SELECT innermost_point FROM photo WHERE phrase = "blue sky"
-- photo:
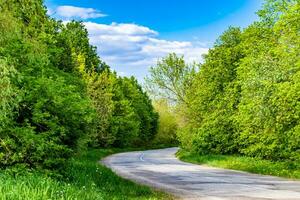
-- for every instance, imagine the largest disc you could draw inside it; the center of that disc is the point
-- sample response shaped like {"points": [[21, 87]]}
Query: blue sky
{"points": [[132, 34]]}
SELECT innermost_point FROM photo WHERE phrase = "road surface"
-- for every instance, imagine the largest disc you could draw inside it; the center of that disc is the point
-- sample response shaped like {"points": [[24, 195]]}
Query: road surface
{"points": [[162, 170]]}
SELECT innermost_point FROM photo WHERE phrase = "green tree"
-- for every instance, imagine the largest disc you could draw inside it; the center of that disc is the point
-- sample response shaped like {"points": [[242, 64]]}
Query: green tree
{"points": [[167, 123], [134, 121], [245, 97], [142, 106], [44, 122], [170, 78], [268, 112], [100, 89], [213, 97]]}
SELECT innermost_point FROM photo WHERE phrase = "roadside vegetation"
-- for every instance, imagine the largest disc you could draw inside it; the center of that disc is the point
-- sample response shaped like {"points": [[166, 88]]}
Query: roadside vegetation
{"points": [[242, 103], [83, 178], [286, 169]]}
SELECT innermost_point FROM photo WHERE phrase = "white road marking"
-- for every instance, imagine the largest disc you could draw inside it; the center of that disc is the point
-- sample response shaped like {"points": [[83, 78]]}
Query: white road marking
{"points": [[142, 157]]}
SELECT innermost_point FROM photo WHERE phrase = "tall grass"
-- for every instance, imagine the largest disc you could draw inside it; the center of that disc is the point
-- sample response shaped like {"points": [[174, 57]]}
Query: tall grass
{"points": [[84, 179]]}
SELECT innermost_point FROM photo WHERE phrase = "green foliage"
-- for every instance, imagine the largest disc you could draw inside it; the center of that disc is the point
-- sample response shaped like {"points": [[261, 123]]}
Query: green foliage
{"points": [[124, 124], [143, 108], [134, 120], [212, 98], [125, 115], [269, 109], [52, 112], [57, 96], [170, 78], [73, 52], [8, 94], [245, 97], [100, 89], [167, 123], [53, 116]]}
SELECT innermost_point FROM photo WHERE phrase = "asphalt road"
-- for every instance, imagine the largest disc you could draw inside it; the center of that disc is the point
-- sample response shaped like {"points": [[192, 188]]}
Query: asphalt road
{"points": [[162, 170]]}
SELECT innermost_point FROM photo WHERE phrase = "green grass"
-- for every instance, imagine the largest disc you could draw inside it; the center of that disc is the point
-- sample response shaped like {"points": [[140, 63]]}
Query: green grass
{"points": [[254, 165], [85, 179]]}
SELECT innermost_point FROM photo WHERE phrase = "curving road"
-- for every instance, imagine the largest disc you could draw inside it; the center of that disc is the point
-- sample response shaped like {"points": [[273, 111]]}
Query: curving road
{"points": [[162, 170]]}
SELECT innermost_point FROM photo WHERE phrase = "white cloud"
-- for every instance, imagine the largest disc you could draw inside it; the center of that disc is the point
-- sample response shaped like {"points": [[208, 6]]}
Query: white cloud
{"points": [[118, 29], [72, 12], [133, 48]]}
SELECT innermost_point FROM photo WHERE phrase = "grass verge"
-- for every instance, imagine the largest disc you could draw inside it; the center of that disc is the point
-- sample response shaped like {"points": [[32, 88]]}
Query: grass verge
{"points": [[254, 165], [85, 179]]}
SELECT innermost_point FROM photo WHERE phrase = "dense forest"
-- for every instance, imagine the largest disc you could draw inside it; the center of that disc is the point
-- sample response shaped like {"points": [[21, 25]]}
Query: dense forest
{"points": [[245, 97], [57, 96]]}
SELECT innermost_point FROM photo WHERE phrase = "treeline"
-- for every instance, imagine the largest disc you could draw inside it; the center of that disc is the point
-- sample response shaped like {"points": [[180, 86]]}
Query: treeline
{"points": [[57, 96], [245, 97]]}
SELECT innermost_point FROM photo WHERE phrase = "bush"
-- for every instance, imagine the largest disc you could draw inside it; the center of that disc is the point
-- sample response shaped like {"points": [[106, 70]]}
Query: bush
{"points": [[53, 116]]}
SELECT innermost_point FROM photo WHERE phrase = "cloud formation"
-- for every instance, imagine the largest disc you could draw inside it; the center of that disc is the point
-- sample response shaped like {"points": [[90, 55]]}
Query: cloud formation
{"points": [[72, 12], [132, 48]]}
